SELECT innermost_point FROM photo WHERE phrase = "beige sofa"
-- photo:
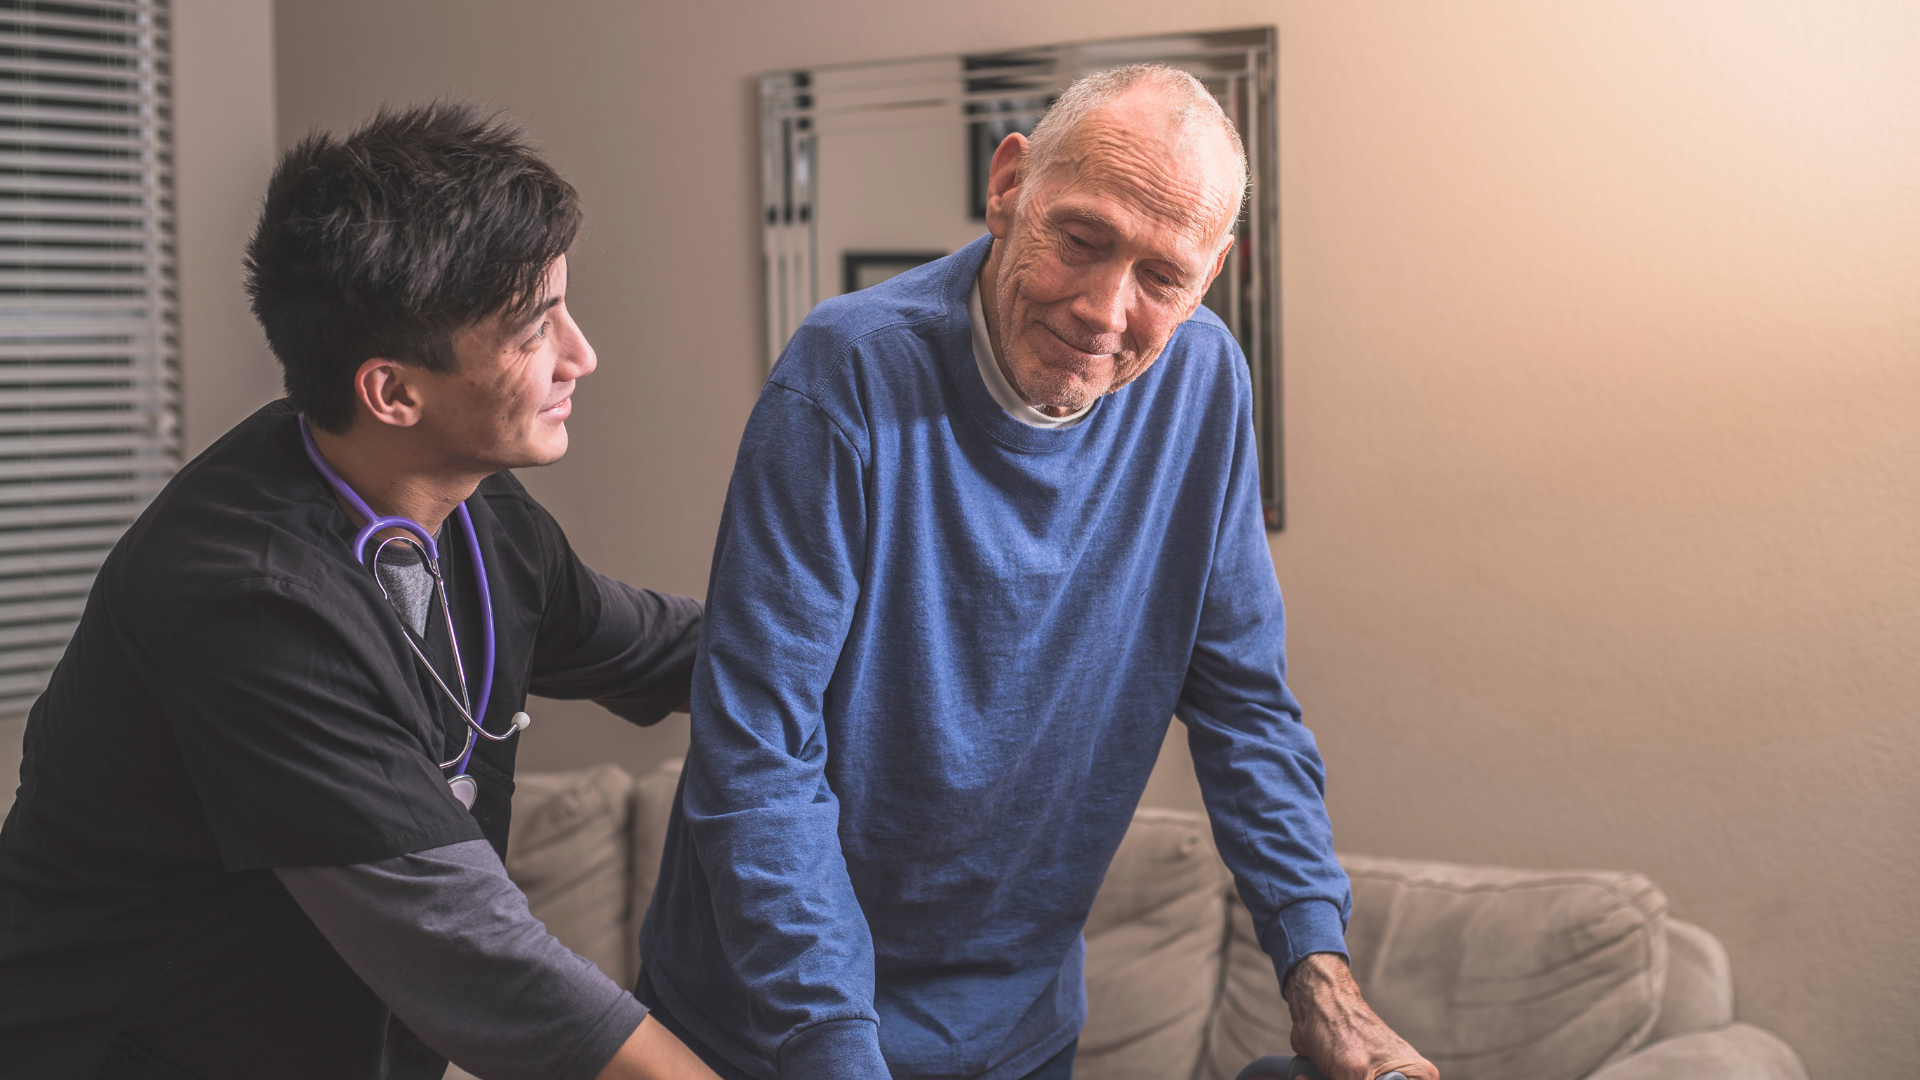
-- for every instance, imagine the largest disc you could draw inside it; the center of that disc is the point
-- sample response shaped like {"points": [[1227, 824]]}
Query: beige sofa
{"points": [[1495, 974]]}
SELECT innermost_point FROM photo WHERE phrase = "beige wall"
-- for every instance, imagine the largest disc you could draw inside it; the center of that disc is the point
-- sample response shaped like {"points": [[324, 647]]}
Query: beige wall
{"points": [[1603, 374], [892, 189], [223, 149]]}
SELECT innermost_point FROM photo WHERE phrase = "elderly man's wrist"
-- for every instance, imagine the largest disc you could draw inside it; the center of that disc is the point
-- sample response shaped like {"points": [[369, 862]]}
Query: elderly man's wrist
{"points": [[1300, 930], [835, 1050], [1313, 971]]}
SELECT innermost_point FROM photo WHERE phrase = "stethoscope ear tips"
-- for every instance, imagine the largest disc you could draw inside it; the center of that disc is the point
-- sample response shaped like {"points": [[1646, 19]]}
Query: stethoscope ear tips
{"points": [[522, 720]]}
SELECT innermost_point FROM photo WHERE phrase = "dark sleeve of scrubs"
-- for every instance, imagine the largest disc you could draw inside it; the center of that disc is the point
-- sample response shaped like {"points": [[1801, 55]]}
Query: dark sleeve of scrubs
{"points": [[447, 942], [280, 698], [631, 650]]}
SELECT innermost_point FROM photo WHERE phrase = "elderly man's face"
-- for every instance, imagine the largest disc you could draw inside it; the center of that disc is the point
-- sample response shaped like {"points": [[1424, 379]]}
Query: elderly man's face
{"points": [[1112, 250]]}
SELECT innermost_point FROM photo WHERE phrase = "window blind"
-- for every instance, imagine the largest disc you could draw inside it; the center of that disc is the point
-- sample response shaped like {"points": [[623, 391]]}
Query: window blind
{"points": [[89, 371]]}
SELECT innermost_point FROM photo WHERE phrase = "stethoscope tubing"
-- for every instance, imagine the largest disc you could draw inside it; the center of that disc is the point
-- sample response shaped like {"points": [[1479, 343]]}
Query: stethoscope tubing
{"points": [[378, 524], [460, 701]]}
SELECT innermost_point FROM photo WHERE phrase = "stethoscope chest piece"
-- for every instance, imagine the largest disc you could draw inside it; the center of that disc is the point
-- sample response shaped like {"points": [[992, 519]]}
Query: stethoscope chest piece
{"points": [[464, 789]]}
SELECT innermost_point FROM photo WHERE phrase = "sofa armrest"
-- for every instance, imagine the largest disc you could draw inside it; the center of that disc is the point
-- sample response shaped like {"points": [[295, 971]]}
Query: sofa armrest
{"points": [[1734, 1052], [567, 850], [653, 796], [1699, 994]]}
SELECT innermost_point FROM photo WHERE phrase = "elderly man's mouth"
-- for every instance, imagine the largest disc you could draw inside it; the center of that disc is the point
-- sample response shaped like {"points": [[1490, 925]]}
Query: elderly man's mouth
{"points": [[1081, 354]]}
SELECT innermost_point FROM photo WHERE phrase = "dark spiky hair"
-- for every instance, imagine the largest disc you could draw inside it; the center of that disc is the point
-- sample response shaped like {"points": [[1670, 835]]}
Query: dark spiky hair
{"points": [[389, 241]]}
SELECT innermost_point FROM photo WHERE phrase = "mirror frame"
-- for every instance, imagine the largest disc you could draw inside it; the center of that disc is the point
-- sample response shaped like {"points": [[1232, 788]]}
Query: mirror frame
{"points": [[1014, 87]]}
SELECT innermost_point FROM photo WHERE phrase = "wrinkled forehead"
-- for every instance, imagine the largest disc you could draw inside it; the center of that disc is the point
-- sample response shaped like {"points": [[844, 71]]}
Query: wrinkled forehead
{"points": [[1182, 175]]}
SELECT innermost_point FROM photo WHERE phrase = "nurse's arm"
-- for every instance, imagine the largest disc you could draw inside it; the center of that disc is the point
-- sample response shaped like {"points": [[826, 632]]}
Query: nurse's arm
{"points": [[653, 1053], [631, 650], [445, 939]]}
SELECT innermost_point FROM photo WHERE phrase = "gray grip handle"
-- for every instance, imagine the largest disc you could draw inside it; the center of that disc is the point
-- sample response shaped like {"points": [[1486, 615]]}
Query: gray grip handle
{"points": [[1282, 1067]]}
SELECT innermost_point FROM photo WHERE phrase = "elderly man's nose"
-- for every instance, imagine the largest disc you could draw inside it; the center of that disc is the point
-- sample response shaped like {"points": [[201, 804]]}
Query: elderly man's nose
{"points": [[1102, 306]]}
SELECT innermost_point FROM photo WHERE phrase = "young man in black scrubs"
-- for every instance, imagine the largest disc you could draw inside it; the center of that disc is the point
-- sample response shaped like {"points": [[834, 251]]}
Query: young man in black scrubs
{"points": [[234, 851]]}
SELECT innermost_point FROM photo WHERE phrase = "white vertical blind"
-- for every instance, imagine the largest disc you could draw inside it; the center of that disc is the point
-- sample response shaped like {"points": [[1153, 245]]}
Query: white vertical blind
{"points": [[89, 371]]}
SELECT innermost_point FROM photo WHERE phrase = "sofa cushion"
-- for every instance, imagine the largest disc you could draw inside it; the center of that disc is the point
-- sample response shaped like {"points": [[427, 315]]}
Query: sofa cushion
{"points": [[652, 805], [1699, 993], [1251, 1020], [567, 849], [1153, 951], [1499, 974], [1734, 1052]]}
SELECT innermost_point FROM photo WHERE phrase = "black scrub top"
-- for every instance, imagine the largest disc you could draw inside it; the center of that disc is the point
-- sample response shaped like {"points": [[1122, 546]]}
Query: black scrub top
{"points": [[239, 696]]}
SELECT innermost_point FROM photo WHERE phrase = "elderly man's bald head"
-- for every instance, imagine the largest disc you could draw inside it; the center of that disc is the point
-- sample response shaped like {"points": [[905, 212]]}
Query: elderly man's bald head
{"points": [[1116, 124], [1109, 226]]}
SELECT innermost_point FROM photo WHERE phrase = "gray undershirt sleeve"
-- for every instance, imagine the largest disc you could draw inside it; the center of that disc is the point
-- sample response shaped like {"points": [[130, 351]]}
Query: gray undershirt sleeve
{"points": [[446, 940]]}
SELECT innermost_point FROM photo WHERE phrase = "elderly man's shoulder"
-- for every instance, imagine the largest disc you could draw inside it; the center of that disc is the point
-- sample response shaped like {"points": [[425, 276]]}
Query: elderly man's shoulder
{"points": [[1205, 336], [909, 310], [1203, 326]]}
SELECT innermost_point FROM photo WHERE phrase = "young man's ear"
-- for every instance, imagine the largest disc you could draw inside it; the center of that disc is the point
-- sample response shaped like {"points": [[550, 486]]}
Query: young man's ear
{"points": [[384, 388]]}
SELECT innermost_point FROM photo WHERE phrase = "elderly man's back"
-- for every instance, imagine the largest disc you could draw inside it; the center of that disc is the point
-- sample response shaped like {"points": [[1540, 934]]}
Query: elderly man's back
{"points": [[941, 653]]}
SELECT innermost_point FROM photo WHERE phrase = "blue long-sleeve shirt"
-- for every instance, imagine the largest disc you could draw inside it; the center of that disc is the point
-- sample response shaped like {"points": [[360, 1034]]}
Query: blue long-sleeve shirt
{"points": [[940, 654]]}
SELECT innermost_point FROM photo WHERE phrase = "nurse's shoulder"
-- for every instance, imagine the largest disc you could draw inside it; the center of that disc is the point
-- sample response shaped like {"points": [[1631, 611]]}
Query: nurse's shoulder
{"points": [[248, 510]]}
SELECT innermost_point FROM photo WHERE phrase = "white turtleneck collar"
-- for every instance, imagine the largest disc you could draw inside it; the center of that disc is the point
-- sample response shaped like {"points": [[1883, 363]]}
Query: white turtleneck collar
{"points": [[1003, 392]]}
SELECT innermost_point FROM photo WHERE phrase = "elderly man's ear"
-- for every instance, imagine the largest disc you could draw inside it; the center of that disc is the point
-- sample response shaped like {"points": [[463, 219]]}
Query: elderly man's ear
{"points": [[1004, 177], [1219, 263]]}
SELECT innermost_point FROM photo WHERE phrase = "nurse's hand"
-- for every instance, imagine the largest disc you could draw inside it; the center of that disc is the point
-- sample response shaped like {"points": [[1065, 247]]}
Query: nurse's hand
{"points": [[653, 1053]]}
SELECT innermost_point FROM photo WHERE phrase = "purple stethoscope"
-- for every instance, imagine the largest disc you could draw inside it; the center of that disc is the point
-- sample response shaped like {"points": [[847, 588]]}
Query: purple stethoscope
{"points": [[462, 785]]}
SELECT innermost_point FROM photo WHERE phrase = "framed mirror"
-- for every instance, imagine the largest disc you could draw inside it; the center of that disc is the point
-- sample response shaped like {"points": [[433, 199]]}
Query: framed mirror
{"points": [[871, 169]]}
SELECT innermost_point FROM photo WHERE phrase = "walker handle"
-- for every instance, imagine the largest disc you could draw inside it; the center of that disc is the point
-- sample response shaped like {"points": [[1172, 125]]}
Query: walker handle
{"points": [[1282, 1067]]}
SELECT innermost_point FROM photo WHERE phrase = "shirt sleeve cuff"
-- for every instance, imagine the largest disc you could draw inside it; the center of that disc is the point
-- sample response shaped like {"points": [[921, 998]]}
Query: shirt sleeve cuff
{"points": [[608, 1035], [1301, 929], [835, 1050]]}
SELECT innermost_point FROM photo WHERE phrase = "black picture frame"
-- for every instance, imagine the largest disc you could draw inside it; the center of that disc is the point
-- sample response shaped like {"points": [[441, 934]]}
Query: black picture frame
{"points": [[865, 269]]}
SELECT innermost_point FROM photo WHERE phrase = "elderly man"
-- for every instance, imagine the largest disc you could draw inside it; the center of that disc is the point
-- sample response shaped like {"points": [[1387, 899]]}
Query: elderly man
{"points": [[992, 523]]}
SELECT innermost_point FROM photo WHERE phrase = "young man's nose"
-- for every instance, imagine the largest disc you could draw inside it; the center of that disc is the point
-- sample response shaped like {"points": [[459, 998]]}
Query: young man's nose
{"points": [[577, 358]]}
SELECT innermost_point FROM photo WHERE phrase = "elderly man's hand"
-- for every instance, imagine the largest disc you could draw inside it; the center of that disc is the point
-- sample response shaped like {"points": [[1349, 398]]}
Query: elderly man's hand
{"points": [[1337, 1030]]}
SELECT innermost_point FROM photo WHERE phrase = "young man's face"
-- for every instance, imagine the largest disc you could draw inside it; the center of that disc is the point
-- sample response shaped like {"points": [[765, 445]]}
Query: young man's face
{"points": [[506, 407]]}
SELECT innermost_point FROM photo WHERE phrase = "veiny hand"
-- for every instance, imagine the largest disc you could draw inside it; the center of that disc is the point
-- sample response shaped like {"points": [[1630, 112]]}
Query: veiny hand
{"points": [[1338, 1031]]}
